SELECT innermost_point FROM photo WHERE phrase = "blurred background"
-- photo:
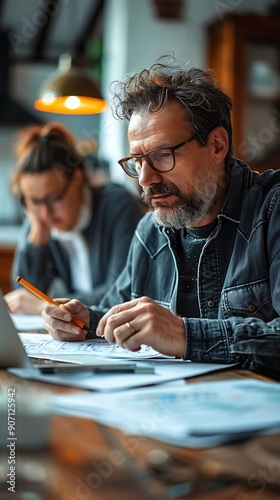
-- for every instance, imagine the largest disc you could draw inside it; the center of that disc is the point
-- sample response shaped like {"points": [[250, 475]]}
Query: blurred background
{"points": [[240, 39]]}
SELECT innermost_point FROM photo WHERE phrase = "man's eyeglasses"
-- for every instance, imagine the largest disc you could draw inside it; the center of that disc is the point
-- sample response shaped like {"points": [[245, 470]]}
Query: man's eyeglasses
{"points": [[160, 160], [52, 203]]}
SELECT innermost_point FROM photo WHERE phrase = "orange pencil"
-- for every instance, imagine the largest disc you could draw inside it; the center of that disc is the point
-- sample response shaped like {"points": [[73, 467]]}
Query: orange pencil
{"points": [[45, 297]]}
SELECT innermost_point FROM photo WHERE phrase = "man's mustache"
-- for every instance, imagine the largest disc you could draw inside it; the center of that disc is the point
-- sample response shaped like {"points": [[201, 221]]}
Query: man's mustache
{"points": [[160, 189]]}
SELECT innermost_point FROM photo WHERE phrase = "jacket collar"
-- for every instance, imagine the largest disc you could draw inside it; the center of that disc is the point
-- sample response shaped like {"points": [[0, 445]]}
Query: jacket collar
{"points": [[239, 177]]}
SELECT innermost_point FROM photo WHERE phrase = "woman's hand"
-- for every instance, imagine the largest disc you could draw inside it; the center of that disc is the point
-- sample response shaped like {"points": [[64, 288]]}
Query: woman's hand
{"points": [[39, 233], [22, 301]]}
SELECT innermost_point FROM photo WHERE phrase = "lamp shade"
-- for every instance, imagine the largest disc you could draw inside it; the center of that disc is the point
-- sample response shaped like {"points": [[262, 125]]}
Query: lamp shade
{"points": [[70, 91]]}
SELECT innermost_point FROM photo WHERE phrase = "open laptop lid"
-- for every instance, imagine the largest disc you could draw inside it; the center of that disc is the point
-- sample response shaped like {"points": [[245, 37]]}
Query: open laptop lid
{"points": [[12, 353]]}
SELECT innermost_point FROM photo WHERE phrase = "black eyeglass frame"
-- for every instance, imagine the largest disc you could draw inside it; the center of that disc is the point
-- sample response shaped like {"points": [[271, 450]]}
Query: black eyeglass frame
{"points": [[149, 161], [49, 200]]}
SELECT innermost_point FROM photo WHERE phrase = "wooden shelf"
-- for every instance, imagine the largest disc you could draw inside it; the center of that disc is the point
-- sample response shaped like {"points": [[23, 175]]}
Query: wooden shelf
{"points": [[234, 44], [6, 260]]}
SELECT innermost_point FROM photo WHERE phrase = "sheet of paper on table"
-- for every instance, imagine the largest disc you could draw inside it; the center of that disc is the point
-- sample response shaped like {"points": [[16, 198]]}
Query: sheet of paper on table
{"points": [[201, 414], [164, 371], [43, 345], [27, 322]]}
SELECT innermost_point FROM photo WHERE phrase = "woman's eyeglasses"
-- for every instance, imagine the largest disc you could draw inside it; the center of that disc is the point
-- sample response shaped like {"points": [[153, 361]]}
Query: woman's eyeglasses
{"points": [[52, 203]]}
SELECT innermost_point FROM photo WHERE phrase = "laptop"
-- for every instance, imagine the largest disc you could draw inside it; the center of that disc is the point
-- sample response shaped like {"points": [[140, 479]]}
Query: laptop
{"points": [[12, 353]]}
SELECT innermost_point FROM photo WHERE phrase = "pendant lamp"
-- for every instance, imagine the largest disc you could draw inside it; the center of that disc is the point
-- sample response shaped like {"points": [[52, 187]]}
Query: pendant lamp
{"points": [[70, 91]]}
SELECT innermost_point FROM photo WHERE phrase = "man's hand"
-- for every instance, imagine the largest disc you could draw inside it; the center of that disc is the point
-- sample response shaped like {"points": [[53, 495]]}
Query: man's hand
{"points": [[22, 301], [58, 320], [143, 321]]}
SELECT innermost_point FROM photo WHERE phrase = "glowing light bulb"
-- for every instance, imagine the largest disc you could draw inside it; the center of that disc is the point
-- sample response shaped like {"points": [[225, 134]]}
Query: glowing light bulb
{"points": [[48, 99], [72, 102]]}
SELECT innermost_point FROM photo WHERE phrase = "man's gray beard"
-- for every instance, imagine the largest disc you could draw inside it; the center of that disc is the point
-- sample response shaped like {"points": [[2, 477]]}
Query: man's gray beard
{"points": [[190, 210]]}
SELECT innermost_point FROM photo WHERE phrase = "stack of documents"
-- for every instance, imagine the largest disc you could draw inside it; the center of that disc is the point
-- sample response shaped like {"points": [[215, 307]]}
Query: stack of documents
{"points": [[196, 415], [150, 367]]}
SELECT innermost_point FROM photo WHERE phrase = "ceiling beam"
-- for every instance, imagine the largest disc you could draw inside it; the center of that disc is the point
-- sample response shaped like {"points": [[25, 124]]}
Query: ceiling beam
{"points": [[90, 27], [2, 2], [49, 13]]}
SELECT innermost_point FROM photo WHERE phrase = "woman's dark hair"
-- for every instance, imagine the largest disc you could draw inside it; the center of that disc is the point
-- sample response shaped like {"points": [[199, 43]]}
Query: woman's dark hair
{"points": [[206, 105], [43, 148]]}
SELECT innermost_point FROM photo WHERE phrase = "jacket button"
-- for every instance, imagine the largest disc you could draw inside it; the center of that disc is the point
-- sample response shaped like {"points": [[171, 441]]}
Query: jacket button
{"points": [[251, 308], [211, 303]]}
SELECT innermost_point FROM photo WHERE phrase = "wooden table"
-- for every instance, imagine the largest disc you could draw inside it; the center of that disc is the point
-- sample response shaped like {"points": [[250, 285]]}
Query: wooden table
{"points": [[84, 460]]}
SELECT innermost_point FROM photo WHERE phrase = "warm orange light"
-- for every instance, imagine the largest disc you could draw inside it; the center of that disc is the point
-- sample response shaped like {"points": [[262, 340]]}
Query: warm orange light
{"points": [[86, 106], [70, 91]]}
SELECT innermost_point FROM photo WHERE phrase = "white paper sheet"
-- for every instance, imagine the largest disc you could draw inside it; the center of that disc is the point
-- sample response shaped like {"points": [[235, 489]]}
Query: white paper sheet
{"points": [[193, 414], [27, 322], [42, 345], [164, 371]]}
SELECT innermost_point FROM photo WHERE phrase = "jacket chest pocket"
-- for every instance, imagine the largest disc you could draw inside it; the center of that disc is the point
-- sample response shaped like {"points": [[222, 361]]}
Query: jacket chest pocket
{"points": [[249, 299]]}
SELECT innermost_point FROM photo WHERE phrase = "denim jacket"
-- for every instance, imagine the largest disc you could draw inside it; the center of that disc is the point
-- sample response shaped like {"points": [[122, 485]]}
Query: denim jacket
{"points": [[238, 276]]}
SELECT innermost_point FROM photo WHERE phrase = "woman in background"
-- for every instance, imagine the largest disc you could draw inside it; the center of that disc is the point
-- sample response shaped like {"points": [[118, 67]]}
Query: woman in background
{"points": [[75, 238]]}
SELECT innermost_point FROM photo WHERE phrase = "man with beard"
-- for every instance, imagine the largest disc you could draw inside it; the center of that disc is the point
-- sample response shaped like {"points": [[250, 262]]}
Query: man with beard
{"points": [[202, 279]]}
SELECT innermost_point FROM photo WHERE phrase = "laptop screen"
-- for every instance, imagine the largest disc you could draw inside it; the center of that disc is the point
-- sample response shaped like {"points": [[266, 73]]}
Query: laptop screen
{"points": [[12, 353]]}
